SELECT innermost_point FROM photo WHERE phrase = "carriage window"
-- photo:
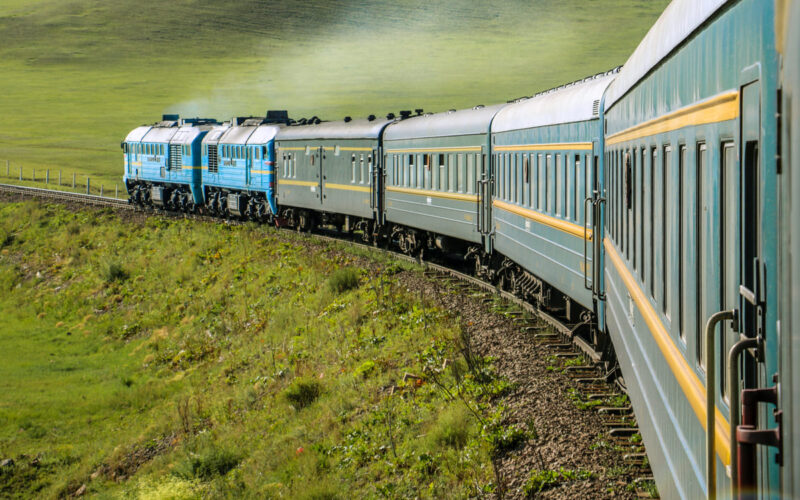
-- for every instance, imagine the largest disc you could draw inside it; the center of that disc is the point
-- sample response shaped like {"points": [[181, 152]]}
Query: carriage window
{"points": [[682, 211], [667, 239], [361, 170], [526, 173], [336, 150], [460, 173], [570, 186], [308, 150], [653, 175], [470, 174], [442, 173], [579, 193]]}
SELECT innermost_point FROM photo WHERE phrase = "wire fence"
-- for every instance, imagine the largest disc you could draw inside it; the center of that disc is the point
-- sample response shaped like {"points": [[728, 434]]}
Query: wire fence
{"points": [[15, 173]]}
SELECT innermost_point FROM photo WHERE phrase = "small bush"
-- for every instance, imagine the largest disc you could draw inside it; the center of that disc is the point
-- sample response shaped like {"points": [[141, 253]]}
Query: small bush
{"points": [[207, 464], [6, 239], [303, 392], [366, 369], [503, 438], [115, 272], [542, 479], [343, 279], [453, 427]]}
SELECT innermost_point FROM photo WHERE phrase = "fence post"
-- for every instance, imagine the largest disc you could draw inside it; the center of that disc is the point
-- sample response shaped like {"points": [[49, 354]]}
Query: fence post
{"points": [[59, 178], [8, 168], [47, 177], [73, 180], [101, 190], [20, 172], [116, 190], [33, 175], [87, 185]]}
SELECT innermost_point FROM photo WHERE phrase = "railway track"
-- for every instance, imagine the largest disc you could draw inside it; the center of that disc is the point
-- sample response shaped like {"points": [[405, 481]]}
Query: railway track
{"points": [[595, 382]]}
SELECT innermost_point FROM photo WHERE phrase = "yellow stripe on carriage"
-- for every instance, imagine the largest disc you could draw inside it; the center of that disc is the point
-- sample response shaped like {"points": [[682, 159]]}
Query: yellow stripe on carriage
{"points": [[347, 187], [434, 194], [297, 183], [453, 149], [547, 220], [720, 108], [562, 146], [191, 167], [262, 171], [684, 374]]}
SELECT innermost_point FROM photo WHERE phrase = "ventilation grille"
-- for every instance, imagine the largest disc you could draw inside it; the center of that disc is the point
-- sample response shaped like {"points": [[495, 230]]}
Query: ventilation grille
{"points": [[596, 107], [175, 158], [213, 165]]}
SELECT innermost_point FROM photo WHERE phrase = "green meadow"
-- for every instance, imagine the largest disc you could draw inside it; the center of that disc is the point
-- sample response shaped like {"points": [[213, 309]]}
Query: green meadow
{"points": [[75, 77], [233, 362]]}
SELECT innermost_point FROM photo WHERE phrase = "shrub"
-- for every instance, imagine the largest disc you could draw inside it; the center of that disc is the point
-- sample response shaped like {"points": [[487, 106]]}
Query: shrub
{"points": [[208, 463], [366, 369], [302, 392], [115, 272], [542, 479], [343, 279], [453, 427]]}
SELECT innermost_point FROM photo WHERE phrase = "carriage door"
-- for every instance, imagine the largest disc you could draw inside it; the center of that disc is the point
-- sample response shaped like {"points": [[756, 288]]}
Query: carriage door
{"points": [[592, 221], [376, 166], [483, 188], [317, 157]]}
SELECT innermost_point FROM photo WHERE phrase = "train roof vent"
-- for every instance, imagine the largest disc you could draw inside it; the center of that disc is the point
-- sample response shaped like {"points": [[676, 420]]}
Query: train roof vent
{"points": [[596, 107], [347, 119], [405, 114], [418, 111], [277, 116], [199, 121], [451, 111], [170, 118], [371, 118], [390, 116], [479, 106]]}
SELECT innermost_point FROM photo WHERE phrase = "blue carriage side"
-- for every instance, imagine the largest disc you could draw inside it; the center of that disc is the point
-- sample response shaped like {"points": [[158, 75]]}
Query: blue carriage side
{"points": [[437, 183], [544, 154], [162, 163], [691, 231]]}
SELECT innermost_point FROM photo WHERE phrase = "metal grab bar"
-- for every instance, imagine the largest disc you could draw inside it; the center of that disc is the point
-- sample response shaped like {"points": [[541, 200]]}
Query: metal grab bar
{"points": [[598, 248], [733, 392], [588, 201], [711, 394]]}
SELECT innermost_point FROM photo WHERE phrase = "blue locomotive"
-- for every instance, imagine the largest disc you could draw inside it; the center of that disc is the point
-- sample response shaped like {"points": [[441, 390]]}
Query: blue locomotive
{"points": [[651, 208], [162, 163]]}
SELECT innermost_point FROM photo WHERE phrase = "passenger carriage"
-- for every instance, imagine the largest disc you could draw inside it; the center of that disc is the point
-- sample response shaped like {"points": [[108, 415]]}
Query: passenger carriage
{"points": [[690, 178], [162, 162], [329, 173], [544, 155], [438, 182]]}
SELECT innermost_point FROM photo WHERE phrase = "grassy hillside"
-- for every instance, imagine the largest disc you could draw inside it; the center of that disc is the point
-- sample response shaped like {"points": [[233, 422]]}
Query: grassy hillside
{"points": [[77, 76], [232, 362]]}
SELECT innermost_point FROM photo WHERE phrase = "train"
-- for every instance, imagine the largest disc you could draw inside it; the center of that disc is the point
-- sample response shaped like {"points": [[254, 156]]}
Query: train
{"points": [[652, 208]]}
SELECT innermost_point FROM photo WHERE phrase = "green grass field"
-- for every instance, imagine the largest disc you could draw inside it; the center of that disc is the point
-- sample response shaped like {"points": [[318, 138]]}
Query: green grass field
{"points": [[75, 77], [234, 362]]}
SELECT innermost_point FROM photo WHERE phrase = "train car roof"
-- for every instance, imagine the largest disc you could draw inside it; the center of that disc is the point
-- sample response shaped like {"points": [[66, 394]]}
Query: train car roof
{"points": [[238, 134], [160, 134], [136, 134], [446, 124], [678, 21], [574, 103], [263, 134], [354, 129], [188, 133], [213, 136]]}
